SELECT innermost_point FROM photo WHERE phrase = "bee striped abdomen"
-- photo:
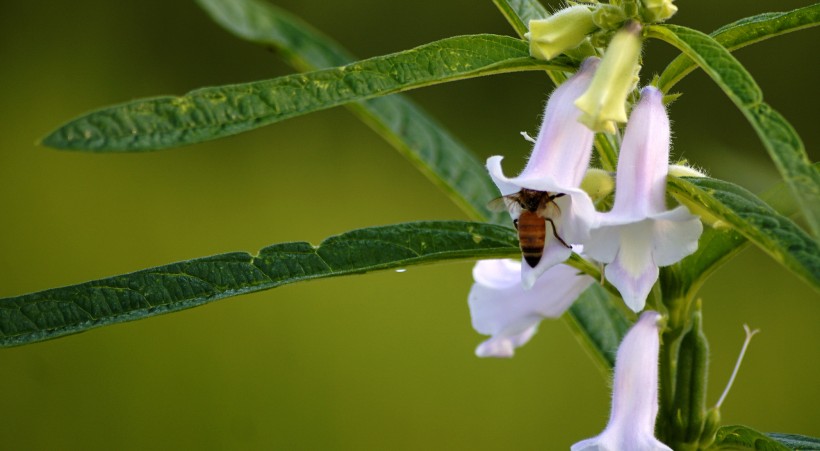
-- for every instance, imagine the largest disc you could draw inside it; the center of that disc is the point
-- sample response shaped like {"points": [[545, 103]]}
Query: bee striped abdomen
{"points": [[532, 232]]}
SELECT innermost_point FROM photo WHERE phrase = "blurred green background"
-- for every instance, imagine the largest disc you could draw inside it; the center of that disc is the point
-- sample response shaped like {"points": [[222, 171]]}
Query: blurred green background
{"points": [[380, 361]]}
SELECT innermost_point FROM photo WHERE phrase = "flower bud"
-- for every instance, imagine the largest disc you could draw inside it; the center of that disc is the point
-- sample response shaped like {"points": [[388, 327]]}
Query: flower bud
{"points": [[654, 11], [604, 103], [598, 184], [609, 17], [560, 32], [683, 170]]}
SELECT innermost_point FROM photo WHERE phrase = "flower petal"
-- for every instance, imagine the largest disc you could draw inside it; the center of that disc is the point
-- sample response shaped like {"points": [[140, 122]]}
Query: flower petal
{"points": [[554, 253], [675, 236], [510, 313], [497, 273], [564, 146], [639, 234], [504, 346], [633, 272], [634, 392], [644, 160]]}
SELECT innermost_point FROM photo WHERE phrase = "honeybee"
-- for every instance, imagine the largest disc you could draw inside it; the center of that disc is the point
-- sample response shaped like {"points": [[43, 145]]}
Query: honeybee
{"points": [[537, 209]]}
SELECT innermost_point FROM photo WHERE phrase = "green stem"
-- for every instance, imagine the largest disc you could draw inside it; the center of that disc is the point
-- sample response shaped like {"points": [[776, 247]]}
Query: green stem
{"points": [[678, 306]]}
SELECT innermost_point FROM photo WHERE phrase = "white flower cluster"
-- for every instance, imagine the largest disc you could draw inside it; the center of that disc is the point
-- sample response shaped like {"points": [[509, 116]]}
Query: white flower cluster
{"points": [[639, 234]]}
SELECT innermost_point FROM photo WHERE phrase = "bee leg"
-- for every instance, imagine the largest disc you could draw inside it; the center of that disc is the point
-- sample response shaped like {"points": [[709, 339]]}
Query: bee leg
{"points": [[515, 223], [555, 233]]}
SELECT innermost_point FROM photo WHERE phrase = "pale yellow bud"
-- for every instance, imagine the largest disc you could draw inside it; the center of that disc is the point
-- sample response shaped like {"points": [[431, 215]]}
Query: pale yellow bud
{"points": [[603, 105], [560, 32], [657, 10], [597, 183], [682, 170]]}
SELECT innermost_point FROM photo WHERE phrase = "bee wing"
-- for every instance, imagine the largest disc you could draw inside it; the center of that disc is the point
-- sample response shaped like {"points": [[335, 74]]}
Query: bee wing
{"points": [[505, 203]]}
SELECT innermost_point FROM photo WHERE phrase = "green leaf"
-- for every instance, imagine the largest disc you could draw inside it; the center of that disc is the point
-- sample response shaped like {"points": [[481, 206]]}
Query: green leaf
{"points": [[415, 134], [743, 438], [794, 441], [781, 141], [599, 324], [402, 123], [211, 113], [717, 246], [260, 22], [742, 33], [61, 311], [749, 216], [519, 13], [596, 321]]}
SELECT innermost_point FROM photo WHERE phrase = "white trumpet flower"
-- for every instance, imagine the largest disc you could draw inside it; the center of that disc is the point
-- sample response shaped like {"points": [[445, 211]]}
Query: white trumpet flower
{"points": [[634, 393], [556, 166], [640, 234]]}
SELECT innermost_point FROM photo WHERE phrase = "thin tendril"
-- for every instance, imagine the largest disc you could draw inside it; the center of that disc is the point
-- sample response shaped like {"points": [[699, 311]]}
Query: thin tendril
{"points": [[749, 334]]}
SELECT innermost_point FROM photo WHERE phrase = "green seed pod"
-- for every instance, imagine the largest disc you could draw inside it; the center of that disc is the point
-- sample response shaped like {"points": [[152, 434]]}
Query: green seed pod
{"points": [[690, 387]]}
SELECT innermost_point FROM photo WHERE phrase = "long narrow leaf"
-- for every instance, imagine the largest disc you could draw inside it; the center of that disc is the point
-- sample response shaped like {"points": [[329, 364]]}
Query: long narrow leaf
{"points": [[717, 246], [211, 113], [781, 141], [62, 311], [796, 441], [408, 128], [405, 125], [598, 324], [745, 32], [739, 209]]}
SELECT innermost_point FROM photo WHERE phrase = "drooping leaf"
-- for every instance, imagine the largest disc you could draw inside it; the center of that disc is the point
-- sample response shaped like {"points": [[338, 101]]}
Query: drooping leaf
{"points": [[402, 123], [738, 437], [745, 32], [164, 289], [747, 215], [779, 138], [599, 324], [795, 441], [211, 113]]}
